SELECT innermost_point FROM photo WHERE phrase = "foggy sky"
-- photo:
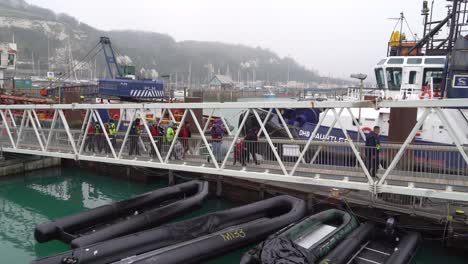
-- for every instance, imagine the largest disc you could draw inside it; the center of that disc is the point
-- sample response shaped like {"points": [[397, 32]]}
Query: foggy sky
{"points": [[334, 37]]}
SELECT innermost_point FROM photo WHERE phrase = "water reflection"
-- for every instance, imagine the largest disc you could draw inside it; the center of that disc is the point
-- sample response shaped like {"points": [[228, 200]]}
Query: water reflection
{"points": [[28, 200]]}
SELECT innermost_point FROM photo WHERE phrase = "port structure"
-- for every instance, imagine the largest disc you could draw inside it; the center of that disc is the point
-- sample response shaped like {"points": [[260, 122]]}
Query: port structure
{"points": [[417, 170]]}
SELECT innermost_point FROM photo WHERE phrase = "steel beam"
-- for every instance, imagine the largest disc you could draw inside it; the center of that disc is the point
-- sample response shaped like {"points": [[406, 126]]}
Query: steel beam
{"points": [[67, 130]]}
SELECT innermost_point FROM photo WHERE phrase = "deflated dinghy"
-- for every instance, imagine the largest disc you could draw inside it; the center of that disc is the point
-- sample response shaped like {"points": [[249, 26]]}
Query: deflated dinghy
{"points": [[117, 219], [193, 240]]}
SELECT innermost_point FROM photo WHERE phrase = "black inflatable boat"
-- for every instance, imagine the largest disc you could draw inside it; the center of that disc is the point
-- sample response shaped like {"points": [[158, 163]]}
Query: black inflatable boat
{"points": [[117, 219], [370, 244], [193, 240], [305, 242]]}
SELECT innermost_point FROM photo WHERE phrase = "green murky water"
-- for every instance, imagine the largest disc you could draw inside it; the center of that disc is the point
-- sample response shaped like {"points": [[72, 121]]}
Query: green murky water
{"points": [[47, 194]]}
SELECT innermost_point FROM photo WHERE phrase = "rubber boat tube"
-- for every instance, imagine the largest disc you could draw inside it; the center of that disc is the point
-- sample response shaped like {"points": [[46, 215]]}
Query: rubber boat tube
{"points": [[305, 242], [116, 219], [211, 235], [371, 239]]}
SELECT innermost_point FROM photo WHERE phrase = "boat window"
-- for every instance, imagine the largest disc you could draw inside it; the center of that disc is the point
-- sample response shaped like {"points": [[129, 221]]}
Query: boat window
{"points": [[434, 61], [395, 61], [379, 76], [436, 75], [381, 62], [394, 78], [412, 77], [414, 61], [11, 59]]}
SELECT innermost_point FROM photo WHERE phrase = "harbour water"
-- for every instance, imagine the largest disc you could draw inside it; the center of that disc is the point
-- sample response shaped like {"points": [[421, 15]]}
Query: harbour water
{"points": [[27, 200]]}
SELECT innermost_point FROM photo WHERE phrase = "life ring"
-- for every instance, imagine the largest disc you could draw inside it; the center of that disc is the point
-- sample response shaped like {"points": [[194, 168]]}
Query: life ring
{"points": [[426, 90], [366, 129]]}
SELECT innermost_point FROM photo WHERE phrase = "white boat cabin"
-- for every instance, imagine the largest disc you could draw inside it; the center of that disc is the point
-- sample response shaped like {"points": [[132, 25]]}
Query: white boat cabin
{"points": [[410, 77]]}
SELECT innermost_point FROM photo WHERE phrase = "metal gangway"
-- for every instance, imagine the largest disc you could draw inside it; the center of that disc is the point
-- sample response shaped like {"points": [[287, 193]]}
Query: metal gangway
{"points": [[417, 170]]}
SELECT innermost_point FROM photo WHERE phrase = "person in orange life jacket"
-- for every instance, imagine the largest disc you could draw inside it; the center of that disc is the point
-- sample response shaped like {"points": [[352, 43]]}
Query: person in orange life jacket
{"points": [[372, 151]]}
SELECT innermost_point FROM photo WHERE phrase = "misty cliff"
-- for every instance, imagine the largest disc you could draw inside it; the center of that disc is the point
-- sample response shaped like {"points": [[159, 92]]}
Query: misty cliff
{"points": [[41, 34]]}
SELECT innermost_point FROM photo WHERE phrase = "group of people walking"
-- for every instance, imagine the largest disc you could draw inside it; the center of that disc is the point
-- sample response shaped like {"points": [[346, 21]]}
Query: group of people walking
{"points": [[95, 138]]}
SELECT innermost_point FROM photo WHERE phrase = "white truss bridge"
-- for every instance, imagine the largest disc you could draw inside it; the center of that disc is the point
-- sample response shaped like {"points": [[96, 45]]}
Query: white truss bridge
{"points": [[405, 169]]}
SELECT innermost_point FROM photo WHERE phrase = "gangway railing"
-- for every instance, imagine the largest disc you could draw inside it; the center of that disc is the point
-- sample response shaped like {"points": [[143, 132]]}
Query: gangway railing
{"points": [[436, 171]]}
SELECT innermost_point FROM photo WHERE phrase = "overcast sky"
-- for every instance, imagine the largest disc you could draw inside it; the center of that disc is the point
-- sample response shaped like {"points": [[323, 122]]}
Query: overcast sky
{"points": [[334, 37]]}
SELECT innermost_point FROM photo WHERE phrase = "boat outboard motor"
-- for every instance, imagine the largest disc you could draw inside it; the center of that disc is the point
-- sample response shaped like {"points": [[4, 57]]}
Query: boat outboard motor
{"points": [[390, 227]]}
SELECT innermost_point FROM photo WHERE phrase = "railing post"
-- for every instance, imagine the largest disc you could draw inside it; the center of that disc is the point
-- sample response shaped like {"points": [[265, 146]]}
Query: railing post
{"points": [[85, 135]]}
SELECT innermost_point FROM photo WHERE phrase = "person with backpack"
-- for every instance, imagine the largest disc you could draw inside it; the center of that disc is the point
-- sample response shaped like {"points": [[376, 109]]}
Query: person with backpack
{"points": [[217, 133]]}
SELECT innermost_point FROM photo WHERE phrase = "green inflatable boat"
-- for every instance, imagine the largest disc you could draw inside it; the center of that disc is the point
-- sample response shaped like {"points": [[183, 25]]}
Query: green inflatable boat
{"points": [[305, 242]]}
